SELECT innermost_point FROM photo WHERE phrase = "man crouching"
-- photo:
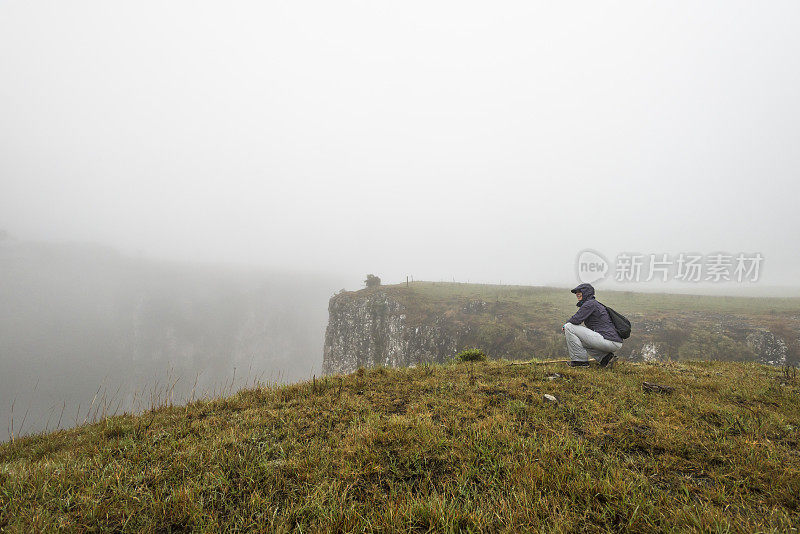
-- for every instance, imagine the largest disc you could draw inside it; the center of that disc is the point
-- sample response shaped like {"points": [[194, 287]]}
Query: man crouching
{"points": [[598, 338]]}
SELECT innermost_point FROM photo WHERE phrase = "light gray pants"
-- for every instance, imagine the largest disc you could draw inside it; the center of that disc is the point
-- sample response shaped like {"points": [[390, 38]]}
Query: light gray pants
{"points": [[583, 342]]}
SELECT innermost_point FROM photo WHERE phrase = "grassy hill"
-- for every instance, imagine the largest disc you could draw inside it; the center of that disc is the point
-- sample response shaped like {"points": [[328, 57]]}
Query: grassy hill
{"points": [[456, 447]]}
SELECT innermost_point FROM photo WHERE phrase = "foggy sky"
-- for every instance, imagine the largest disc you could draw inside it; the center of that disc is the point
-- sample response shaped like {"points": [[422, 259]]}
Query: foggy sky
{"points": [[483, 141]]}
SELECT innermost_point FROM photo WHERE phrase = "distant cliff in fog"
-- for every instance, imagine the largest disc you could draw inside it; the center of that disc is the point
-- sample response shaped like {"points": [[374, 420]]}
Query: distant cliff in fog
{"points": [[74, 317]]}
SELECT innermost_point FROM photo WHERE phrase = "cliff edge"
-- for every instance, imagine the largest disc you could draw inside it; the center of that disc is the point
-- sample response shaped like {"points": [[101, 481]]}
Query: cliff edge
{"points": [[371, 328], [428, 322]]}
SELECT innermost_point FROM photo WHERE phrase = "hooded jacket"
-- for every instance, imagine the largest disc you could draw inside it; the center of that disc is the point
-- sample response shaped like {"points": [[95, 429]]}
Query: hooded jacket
{"points": [[593, 314]]}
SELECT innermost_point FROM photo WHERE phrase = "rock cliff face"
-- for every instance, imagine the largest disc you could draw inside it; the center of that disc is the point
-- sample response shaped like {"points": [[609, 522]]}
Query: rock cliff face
{"points": [[372, 330]]}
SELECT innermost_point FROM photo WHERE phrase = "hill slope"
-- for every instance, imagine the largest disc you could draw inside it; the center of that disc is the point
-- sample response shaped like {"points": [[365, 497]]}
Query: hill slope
{"points": [[452, 447]]}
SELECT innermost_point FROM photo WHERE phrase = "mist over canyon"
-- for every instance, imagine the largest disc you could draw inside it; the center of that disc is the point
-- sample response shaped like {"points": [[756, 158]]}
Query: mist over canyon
{"points": [[80, 322]]}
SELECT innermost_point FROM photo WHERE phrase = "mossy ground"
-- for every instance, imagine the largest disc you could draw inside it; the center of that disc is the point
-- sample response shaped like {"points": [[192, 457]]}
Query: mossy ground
{"points": [[458, 447]]}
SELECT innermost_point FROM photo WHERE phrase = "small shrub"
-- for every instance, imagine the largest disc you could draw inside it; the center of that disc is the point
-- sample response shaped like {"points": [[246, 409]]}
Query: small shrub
{"points": [[471, 355]]}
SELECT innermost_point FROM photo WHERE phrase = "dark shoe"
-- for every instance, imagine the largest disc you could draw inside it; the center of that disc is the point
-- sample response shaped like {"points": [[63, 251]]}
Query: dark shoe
{"points": [[578, 364], [607, 359]]}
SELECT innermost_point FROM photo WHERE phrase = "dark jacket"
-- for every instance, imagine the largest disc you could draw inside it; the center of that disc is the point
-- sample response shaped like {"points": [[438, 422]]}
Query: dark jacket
{"points": [[593, 314]]}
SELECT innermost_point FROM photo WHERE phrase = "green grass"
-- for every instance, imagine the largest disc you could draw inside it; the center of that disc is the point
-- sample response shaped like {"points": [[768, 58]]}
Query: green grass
{"points": [[457, 447], [471, 355]]}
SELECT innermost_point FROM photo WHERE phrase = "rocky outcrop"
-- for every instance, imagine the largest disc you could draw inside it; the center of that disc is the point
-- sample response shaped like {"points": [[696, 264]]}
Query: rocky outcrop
{"points": [[770, 348], [650, 352], [373, 330]]}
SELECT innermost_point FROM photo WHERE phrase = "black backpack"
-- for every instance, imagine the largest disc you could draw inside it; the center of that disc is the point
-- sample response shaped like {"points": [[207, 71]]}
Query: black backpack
{"points": [[620, 322]]}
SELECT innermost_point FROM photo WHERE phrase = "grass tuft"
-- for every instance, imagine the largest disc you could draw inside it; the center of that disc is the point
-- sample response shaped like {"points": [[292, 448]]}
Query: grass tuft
{"points": [[471, 355]]}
